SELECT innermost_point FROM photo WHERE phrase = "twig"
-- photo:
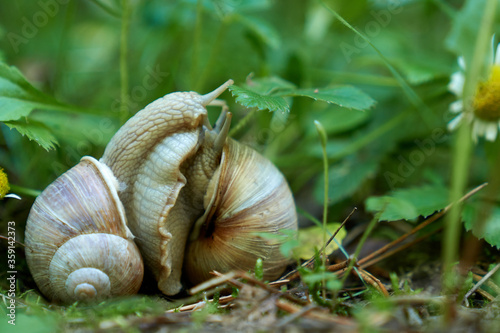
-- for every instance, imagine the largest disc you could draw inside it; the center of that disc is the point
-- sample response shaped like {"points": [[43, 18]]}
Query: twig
{"points": [[279, 283], [489, 283], [218, 280], [263, 285], [483, 280], [336, 267], [201, 304], [297, 314], [396, 250], [316, 315], [373, 281], [7, 238]]}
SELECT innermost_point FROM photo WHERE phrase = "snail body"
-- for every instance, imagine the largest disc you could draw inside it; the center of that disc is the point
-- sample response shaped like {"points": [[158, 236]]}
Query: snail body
{"points": [[194, 200]]}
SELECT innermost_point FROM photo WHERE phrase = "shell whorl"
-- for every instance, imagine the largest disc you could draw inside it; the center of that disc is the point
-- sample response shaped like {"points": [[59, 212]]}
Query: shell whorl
{"points": [[247, 195], [77, 223]]}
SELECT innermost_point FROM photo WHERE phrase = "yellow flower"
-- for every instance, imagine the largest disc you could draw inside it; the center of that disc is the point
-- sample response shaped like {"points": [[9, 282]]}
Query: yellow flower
{"points": [[485, 116], [4, 184], [4, 187]]}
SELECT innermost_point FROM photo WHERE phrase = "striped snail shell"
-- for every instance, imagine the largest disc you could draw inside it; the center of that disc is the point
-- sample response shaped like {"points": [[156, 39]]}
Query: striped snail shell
{"points": [[247, 196], [79, 247]]}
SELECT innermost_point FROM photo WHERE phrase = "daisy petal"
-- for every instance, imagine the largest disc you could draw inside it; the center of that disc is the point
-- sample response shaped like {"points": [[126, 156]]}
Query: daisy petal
{"points": [[461, 63], [478, 128], [452, 125], [456, 84], [492, 49], [12, 195], [497, 55], [491, 131], [457, 106]]}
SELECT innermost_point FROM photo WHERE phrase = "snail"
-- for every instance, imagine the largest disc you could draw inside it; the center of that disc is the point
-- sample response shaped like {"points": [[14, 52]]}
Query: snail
{"points": [[194, 199], [79, 247]]}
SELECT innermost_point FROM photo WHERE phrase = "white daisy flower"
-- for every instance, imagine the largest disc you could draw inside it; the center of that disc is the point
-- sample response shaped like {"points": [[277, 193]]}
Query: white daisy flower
{"points": [[485, 118]]}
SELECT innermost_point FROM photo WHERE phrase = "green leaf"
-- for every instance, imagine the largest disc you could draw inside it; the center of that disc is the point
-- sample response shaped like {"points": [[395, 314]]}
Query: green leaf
{"points": [[252, 99], [312, 237], [408, 204], [491, 230], [346, 96], [393, 208], [18, 97], [35, 131], [268, 85]]}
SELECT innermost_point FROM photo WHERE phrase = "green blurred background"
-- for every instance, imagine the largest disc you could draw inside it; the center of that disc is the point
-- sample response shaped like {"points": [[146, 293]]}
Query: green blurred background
{"points": [[73, 51]]}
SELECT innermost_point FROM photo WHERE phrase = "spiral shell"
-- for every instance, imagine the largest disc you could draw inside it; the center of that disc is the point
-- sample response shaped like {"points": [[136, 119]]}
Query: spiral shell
{"points": [[247, 196], [79, 247]]}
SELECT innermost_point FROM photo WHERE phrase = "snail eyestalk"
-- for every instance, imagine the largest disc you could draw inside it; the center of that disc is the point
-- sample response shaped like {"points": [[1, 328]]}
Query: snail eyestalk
{"points": [[207, 99]]}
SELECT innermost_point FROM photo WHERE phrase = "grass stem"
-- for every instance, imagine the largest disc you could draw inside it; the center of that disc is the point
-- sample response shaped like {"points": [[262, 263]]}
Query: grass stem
{"points": [[124, 80]]}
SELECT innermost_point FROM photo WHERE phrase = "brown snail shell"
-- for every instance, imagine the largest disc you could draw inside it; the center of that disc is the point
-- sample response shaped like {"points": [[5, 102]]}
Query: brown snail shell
{"points": [[79, 247], [247, 196]]}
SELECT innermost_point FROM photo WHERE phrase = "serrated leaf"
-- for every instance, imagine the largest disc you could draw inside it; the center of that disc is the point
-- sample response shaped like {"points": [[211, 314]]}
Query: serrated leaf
{"points": [[393, 208], [18, 97], [269, 85], [408, 204], [345, 96], [252, 99], [35, 131]]}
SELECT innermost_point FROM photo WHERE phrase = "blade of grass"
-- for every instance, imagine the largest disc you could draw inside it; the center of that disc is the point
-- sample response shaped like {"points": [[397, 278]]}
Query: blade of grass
{"points": [[461, 155], [323, 139], [463, 143], [123, 61]]}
